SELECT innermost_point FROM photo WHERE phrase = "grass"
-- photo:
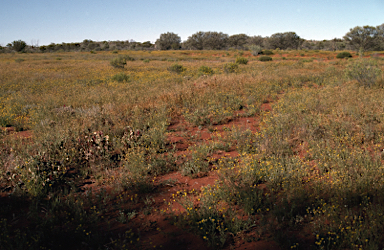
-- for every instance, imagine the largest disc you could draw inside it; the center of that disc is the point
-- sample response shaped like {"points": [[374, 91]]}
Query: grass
{"points": [[101, 150]]}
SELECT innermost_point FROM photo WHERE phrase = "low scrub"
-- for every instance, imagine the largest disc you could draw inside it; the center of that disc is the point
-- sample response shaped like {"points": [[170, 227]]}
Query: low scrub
{"points": [[365, 72], [344, 54], [267, 52], [265, 58], [177, 68], [231, 67], [255, 49], [205, 70], [118, 62], [121, 77], [241, 60]]}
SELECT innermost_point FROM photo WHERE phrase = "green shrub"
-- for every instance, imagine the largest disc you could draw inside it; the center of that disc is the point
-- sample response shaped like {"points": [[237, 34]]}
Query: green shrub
{"points": [[121, 77], [146, 60], [267, 52], [265, 58], [205, 70], [241, 60], [177, 68], [118, 62], [231, 67], [344, 54], [19, 45], [115, 52], [365, 72]]}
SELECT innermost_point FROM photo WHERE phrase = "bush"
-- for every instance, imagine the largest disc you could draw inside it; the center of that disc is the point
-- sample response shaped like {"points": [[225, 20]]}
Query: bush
{"points": [[146, 60], [267, 52], [265, 58], [231, 67], [118, 62], [121, 77], [365, 72], [205, 70], [241, 60], [344, 54], [177, 68], [128, 58], [19, 45], [255, 49]]}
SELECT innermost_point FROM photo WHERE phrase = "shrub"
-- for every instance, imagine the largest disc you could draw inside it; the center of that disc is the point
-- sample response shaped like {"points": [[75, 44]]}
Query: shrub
{"points": [[365, 72], [265, 58], [241, 60], [344, 54], [121, 77], [231, 67], [19, 45], [128, 58], [255, 49], [267, 52], [177, 68], [146, 60], [118, 62], [205, 70]]}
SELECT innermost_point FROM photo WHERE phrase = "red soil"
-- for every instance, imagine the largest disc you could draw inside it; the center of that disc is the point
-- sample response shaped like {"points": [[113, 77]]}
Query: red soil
{"points": [[155, 228]]}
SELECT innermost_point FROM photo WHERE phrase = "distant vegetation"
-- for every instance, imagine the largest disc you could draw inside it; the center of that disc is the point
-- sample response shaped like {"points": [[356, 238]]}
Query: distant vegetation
{"points": [[366, 38]]}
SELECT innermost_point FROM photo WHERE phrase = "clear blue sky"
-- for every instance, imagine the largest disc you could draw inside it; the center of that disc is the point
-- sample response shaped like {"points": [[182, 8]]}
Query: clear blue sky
{"points": [[60, 21]]}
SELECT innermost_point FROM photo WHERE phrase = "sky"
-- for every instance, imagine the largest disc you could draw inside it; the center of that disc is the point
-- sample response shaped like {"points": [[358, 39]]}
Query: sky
{"points": [[41, 22]]}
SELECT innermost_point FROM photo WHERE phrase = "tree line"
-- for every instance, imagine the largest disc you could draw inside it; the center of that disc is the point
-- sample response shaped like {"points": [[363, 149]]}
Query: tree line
{"points": [[359, 38]]}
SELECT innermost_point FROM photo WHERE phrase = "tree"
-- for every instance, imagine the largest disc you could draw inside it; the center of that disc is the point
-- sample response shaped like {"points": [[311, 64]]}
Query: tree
{"points": [[361, 38], [256, 40], [215, 40], [336, 44], [196, 41], [207, 40], [308, 44], [18, 45], [238, 41], [168, 41], [147, 44], [287, 40], [379, 38]]}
